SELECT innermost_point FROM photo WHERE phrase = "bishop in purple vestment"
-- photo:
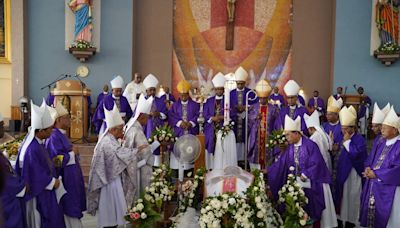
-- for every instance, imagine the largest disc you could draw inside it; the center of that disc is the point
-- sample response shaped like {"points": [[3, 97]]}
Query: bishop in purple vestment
{"points": [[12, 201], [38, 173], [382, 173], [183, 116], [293, 110], [350, 166], [108, 103], [101, 95], [276, 98], [73, 202], [316, 103], [304, 155]]}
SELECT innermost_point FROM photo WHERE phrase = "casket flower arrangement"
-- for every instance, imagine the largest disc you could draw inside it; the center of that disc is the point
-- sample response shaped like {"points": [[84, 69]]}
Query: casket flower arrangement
{"points": [[276, 138], [293, 196], [191, 190], [161, 190], [164, 135], [228, 208], [251, 210], [264, 214], [11, 148], [81, 44]]}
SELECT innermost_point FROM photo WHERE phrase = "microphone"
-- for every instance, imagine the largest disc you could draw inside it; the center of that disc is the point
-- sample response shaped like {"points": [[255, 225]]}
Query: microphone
{"points": [[355, 86], [345, 90]]}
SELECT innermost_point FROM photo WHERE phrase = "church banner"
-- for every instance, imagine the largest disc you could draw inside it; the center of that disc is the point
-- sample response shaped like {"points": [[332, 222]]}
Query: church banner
{"points": [[262, 40]]}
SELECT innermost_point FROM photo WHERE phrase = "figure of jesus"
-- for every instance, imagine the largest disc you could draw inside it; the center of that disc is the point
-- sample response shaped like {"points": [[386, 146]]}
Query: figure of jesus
{"points": [[231, 10]]}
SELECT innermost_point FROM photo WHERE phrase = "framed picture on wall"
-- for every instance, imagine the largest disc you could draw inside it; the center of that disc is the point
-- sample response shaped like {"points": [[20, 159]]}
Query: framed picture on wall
{"points": [[5, 31]]}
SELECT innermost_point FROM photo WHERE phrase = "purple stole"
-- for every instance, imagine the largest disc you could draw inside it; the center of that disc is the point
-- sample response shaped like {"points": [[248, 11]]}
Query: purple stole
{"points": [[175, 114], [211, 108], [73, 202], [159, 106]]}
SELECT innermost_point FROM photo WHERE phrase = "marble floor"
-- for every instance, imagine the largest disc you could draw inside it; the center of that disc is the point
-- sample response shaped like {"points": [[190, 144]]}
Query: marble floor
{"points": [[89, 221]]}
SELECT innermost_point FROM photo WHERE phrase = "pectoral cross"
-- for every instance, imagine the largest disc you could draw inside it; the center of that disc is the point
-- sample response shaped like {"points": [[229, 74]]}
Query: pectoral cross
{"points": [[230, 26]]}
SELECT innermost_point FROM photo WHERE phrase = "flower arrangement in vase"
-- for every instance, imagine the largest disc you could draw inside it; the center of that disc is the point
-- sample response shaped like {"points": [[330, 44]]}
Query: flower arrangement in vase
{"points": [[294, 198]]}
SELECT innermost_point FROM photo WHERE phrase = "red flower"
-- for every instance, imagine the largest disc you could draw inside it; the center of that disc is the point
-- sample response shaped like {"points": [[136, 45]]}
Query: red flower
{"points": [[135, 216]]}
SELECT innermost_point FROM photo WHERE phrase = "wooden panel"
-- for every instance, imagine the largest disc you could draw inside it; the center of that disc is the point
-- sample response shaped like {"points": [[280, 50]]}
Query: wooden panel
{"points": [[201, 161], [15, 113]]}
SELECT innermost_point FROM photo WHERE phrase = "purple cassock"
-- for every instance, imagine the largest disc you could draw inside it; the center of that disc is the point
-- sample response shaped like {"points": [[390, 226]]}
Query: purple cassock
{"points": [[336, 130], [170, 97], [73, 203], [212, 108], [312, 165], [354, 158], [50, 99], [153, 122], [237, 97], [13, 208], [301, 100], [37, 172], [385, 162], [100, 97], [108, 103], [254, 127], [176, 114], [277, 97], [317, 103], [292, 113], [363, 108]]}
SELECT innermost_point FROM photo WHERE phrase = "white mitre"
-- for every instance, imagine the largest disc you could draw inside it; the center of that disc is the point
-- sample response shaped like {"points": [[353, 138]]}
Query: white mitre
{"points": [[113, 118], [291, 88], [219, 80], [143, 106], [117, 82], [150, 81], [312, 120], [241, 74], [40, 119], [58, 111], [392, 119], [379, 114], [292, 125], [348, 116]]}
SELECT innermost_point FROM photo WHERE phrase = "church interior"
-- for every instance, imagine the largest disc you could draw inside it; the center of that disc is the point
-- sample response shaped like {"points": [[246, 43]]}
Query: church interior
{"points": [[199, 113]]}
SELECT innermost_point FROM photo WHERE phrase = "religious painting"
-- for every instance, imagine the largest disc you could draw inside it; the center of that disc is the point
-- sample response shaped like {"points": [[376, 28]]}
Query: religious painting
{"points": [[5, 31], [212, 36]]}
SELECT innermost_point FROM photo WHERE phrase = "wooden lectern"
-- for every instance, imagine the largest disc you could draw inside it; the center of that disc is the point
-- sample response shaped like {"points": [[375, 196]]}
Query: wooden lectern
{"points": [[353, 99], [74, 98]]}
